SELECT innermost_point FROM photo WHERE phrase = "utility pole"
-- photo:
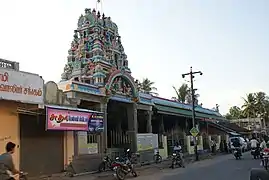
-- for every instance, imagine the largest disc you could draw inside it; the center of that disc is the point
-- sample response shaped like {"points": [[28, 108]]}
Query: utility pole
{"points": [[191, 74]]}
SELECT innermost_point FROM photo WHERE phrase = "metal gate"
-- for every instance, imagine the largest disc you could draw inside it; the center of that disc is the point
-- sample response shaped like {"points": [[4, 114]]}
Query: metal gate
{"points": [[41, 151]]}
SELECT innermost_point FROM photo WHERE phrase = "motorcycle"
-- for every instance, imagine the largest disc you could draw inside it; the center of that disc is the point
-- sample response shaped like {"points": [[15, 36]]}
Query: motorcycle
{"points": [[157, 158], [265, 158], [237, 153], [177, 159], [21, 176], [106, 163], [125, 168]]}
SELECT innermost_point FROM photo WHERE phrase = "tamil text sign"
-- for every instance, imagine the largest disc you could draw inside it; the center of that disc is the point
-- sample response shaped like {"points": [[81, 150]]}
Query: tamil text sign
{"points": [[74, 120], [21, 86]]}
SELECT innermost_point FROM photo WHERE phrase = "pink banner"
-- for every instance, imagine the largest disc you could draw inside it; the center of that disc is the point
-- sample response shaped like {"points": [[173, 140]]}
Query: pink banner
{"points": [[59, 119]]}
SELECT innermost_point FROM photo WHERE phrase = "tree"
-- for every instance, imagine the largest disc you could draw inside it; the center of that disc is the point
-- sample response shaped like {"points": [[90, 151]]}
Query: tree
{"points": [[260, 103], [184, 94], [249, 108], [146, 86], [255, 105]]}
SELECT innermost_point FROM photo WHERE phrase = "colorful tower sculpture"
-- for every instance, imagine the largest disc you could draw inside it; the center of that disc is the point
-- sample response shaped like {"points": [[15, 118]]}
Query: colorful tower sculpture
{"points": [[96, 52]]}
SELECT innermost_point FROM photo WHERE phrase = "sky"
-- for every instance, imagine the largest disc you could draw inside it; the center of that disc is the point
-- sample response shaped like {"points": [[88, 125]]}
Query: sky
{"points": [[228, 40]]}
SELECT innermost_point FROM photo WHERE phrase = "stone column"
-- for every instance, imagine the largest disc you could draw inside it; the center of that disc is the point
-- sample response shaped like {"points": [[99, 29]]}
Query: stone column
{"points": [[103, 108], [149, 118], [161, 125], [132, 125]]}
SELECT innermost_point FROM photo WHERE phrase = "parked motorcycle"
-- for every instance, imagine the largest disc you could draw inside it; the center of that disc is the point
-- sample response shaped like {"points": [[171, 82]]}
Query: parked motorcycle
{"points": [[237, 153], [157, 158], [177, 160], [106, 163], [125, 168]]}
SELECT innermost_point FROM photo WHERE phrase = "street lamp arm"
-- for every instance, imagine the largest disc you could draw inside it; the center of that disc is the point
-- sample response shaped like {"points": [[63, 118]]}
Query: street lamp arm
{"points": [[198, 72]]}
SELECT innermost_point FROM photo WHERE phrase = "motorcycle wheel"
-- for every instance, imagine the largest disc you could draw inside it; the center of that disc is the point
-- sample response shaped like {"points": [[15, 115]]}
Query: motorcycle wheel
{"points": [[173, 165], [23, 178], [157, 158], [266, 164], [236, 157], [120, 174], [102, 167], [134, 173]]}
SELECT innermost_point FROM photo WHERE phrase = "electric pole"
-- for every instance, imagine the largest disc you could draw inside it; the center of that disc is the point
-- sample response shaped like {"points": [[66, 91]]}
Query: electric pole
{"points": [[191, 74]]}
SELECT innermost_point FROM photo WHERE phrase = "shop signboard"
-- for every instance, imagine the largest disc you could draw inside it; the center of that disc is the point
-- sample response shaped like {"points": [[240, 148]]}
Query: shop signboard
{"points": [[74, 120], [21, 86]]}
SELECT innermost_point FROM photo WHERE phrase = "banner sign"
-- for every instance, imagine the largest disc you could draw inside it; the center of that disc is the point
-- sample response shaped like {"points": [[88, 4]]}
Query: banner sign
{"points": [[21, 86], [72, 120], [96, 123]]}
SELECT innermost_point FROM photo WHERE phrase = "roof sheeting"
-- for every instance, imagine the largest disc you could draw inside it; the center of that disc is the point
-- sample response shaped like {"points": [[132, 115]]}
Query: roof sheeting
{"points": [[182, 112]]}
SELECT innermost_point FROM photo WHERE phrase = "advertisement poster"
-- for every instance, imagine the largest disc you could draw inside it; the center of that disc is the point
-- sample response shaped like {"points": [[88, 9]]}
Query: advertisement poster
{"points": [[96, 123], [72, 120]]}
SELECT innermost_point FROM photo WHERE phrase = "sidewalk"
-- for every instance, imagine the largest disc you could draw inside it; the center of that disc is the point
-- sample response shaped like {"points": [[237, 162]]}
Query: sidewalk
{"points": [[140, 169]]}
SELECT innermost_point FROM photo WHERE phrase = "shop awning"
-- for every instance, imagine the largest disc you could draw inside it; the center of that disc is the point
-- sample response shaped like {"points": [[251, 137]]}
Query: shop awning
{"points": [[182, 112]]}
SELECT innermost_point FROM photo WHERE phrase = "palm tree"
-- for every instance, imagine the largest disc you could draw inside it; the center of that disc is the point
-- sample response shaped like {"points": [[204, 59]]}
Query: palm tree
{"points": [[260, 103], [184, 94], [235, 112], [249, 107], [146, 86]]}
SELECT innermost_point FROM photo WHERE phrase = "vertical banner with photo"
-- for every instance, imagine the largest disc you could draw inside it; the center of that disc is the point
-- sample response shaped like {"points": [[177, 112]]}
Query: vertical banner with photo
{"points": [[96, 123]]}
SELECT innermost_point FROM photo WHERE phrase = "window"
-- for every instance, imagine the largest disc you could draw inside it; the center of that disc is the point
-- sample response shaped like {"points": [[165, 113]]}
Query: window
{"points": [[91, 138]]}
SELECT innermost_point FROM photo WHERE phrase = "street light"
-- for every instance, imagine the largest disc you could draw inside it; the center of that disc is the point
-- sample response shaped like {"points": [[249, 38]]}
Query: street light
{"points": [[191, 74]]}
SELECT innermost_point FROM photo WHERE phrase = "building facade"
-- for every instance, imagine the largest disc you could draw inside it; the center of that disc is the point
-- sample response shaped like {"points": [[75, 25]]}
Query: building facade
{"points": [[19, 93]]}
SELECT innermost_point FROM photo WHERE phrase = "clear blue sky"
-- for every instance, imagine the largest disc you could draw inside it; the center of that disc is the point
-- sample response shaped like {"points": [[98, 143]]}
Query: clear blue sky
{"points": [[226, 39]]}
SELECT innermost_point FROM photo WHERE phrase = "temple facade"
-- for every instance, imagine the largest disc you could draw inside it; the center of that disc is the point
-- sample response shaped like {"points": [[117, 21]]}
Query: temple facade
{"points": [[97, 77]]}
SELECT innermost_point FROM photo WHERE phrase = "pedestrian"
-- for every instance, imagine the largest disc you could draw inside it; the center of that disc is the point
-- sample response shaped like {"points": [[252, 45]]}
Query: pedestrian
{"points": [[212, 145], [225, 146], [221, 146]]}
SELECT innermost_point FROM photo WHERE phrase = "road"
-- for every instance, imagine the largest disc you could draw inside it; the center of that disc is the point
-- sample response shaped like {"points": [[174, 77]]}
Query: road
{"points": [[221, 168]]}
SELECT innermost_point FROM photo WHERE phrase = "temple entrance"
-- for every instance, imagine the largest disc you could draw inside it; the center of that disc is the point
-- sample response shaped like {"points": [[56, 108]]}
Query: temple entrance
{"points": [[121, 127], [142, 118], [117, 125]]}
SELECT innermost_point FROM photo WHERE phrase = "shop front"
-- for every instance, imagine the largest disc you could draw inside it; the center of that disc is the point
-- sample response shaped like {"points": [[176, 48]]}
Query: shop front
{"points": [[81, 128], [19, 92]]}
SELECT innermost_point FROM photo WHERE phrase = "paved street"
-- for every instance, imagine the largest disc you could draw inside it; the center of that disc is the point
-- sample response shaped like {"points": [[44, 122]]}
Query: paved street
{"points": [[221, 168]]}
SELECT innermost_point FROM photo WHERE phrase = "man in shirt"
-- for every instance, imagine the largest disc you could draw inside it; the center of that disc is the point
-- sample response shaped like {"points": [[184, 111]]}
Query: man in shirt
{"points": [[254, 143], [7, 168]]}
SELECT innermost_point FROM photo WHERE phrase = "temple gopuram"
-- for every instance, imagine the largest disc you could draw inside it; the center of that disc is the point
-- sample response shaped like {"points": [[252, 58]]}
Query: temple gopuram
{"points": [[97, 56]]}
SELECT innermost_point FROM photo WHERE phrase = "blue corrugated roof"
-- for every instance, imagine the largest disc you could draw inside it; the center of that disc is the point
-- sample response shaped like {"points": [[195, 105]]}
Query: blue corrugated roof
{"points": [[175, 104]]}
